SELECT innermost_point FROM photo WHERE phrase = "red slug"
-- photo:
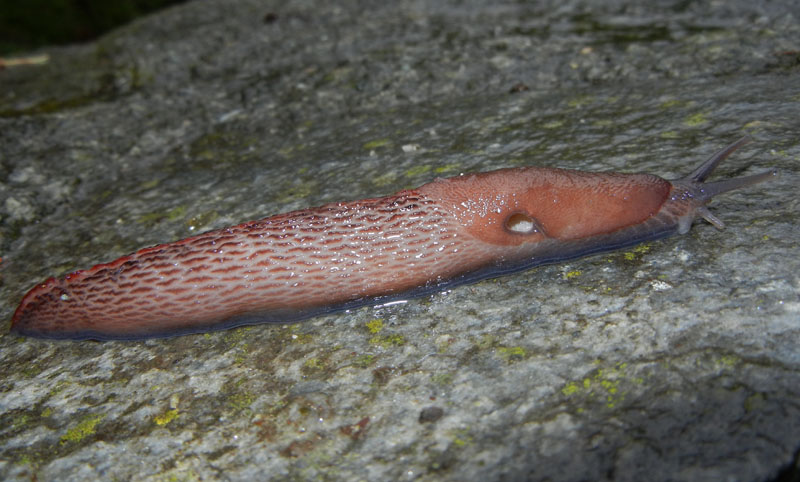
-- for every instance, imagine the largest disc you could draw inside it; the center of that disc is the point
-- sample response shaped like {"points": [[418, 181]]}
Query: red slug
{"points": [[344, 255]]}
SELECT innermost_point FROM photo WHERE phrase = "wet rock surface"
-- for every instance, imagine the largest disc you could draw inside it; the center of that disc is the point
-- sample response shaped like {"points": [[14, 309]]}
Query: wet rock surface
{"points": [[677, 359]]}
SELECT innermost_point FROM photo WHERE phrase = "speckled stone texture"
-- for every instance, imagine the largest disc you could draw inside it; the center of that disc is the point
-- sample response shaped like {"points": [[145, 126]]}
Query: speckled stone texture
{"points": [[678, 359]]}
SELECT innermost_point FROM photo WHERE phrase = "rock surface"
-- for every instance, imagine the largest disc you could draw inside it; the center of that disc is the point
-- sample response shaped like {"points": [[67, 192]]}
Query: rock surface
{"points": [[679, 359]]}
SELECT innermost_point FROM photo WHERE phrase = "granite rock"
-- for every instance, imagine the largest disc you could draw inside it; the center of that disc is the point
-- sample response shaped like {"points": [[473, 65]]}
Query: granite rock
{"points": [[678, 359]]}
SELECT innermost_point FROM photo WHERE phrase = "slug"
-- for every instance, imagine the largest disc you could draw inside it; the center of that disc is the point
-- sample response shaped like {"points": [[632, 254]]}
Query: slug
{"points": [[343, 255]]}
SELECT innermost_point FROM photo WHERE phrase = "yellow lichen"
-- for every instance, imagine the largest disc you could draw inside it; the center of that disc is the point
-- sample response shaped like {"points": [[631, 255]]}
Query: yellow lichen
{"points": [[313, 364], [446, 168], [375, 326], [486, 341], [553, 124], [384, 179], [20, 421], [462, 438], [670, 103], [296, 337], [696, 119], [82, 430], [299, 189], [166, 417], [387, 341], [637, 252], [241, 400], [149, 184], [570, 388], [365, 360], [376, 143], [511, 354], [178, 212], [417, 170], [581, 101], [728, 361], [606, 385]]}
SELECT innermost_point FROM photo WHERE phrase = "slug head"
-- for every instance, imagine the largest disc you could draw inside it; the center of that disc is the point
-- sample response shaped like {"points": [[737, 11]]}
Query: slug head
{"points": [[694, 192]]}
